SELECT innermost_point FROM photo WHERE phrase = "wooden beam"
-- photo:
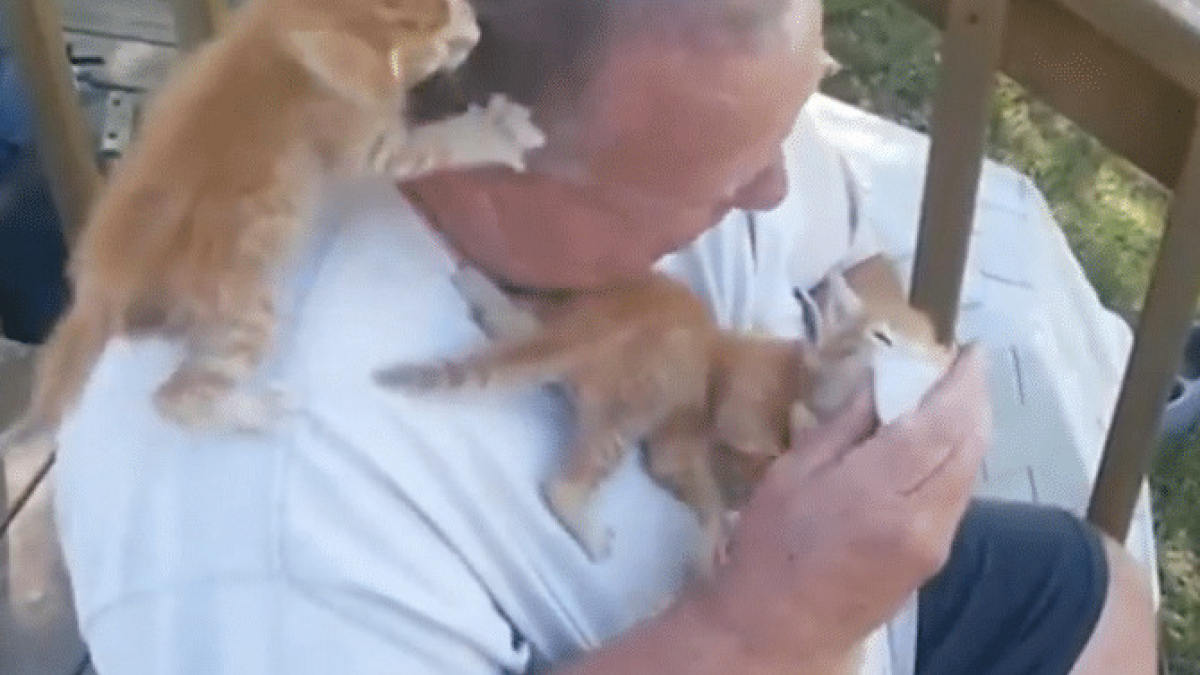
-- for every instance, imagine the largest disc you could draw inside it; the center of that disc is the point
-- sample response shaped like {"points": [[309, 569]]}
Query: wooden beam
{"points": [[1139, 112], [1157, 351], [196, 21], [1163, 33], [970, 54], [65, 144]]}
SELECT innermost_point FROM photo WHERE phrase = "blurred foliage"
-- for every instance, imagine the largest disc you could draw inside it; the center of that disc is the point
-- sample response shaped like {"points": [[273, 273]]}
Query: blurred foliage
{"points": [[1110, 212], [1175, 485]]}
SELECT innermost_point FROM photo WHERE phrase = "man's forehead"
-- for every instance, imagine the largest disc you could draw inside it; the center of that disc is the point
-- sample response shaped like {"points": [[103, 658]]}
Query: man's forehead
{"points": [[530, 14], [742, 25], [546, 53]]}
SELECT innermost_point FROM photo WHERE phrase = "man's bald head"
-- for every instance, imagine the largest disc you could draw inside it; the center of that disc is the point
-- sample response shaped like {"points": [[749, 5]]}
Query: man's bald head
{"points": [[542, 52]]}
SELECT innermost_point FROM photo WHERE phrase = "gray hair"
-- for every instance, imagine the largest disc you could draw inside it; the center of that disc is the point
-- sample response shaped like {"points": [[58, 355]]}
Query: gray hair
{"points": [[532, 50]]}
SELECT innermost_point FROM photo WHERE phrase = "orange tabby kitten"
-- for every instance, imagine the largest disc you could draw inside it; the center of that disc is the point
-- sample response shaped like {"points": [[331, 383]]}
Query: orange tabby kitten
{"points": [[219, 186], [645, 361]]}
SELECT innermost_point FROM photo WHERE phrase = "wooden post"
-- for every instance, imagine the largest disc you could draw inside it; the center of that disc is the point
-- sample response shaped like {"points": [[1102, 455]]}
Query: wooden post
{"points": [[1157, 351], [65, 144], [197, 20], [970, 53]]}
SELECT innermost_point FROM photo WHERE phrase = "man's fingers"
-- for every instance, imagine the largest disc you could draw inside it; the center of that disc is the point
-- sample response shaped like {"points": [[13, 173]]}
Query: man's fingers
{"points": [[921, 445], [968, 369], [958, 466]]}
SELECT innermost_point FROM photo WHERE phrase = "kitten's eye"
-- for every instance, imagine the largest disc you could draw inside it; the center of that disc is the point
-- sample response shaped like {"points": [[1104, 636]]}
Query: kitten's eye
{"points": [[882, 336]]}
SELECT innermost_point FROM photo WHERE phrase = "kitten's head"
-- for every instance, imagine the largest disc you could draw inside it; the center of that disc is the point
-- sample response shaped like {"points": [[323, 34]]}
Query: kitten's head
{"points": [[852, 334], [391, 44]]}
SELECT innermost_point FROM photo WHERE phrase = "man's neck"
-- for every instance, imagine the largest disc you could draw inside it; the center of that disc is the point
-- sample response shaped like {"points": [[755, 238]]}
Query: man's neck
{"points": [[532, 231]]}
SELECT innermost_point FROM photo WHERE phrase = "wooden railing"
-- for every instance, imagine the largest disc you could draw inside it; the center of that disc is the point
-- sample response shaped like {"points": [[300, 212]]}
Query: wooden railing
{"points": [[1128, 71], [64, 141]]}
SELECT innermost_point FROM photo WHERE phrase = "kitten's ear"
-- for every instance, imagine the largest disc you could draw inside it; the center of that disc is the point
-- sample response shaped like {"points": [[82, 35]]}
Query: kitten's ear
{"points": [[841, 305], [345, 64]]}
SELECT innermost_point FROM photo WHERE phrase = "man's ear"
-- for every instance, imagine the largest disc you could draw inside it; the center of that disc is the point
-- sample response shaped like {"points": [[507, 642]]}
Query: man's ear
{"points": [[345, 64]]}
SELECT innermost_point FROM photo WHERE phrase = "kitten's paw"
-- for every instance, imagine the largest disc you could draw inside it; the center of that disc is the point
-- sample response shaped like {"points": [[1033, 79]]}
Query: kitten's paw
{"points": [[189, 398], [204, 400], [253, 412], [515, 123]]}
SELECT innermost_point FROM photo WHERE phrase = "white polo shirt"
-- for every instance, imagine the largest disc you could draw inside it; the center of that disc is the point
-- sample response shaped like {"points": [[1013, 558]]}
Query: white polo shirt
{"points": [[374, 533]]}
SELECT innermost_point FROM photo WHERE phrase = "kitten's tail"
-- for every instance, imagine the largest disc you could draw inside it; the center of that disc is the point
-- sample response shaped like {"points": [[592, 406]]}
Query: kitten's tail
{"points": [[541, 359], [64, 364]]}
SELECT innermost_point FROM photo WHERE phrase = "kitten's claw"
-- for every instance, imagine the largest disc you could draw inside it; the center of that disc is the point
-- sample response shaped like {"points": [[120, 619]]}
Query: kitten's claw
{"points": [[502, 133]]}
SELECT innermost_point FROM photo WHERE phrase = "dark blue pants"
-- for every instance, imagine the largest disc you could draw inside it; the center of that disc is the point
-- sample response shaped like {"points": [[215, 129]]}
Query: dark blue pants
{"points": [[1020, 595], [32, 253]]}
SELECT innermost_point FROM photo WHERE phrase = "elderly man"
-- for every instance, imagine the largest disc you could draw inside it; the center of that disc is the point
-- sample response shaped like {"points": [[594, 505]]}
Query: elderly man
{"points": [[374, 533]]}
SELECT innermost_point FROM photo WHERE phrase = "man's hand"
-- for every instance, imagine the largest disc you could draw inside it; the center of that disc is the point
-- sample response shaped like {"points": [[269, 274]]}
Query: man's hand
{"points": [[842, 530]]}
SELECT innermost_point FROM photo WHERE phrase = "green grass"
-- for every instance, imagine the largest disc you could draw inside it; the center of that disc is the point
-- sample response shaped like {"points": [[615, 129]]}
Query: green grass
{"points": [[1110, 212], [1175, 482]]}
